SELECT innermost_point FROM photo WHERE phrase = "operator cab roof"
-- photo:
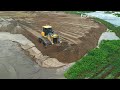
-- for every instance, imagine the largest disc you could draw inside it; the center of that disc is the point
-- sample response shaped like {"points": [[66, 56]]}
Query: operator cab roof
{"points": [[55, 35], [47, 26]]}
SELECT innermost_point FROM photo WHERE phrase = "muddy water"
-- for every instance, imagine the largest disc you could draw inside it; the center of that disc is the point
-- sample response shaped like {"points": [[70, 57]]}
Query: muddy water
{"points": [[15, 64]]}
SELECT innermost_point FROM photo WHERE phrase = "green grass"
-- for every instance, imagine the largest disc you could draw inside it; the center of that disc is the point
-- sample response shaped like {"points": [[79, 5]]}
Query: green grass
{"points": [[118, 15], [103, 62], [93, 65], [78, 12]]}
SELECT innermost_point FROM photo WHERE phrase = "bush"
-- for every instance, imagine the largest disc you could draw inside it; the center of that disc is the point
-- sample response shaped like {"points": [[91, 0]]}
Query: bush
{"points": [[118, 15], [109, 26], [110, 46]]}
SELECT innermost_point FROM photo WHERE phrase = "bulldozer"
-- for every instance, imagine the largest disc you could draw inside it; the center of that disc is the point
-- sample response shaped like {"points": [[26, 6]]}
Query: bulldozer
{"points": [[48, 36]]}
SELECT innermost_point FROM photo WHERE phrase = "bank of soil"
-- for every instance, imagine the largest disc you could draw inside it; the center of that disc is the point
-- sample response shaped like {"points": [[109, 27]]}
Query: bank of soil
{"points": [[78, 34], [15, 64]]}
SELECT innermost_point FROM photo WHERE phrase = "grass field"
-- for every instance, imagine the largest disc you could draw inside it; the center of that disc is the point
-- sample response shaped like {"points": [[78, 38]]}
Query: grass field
{"points": [[99, 63]]}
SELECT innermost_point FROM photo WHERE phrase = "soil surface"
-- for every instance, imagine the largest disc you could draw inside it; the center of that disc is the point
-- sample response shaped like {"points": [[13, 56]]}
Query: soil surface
{"points": [[78, 34]]}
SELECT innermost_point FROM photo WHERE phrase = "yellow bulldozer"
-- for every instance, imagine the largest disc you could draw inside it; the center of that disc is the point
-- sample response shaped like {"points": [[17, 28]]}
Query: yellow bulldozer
{"points": [[48, 37]]}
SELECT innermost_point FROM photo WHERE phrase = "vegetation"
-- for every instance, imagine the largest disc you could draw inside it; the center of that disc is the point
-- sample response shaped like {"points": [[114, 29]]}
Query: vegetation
{"points": [[109, 26], [78, 12], [102, 62], [110, 12], [118, 15]]}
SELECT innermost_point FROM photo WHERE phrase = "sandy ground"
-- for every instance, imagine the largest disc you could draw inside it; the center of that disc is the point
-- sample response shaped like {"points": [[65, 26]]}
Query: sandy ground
{"points": [[16, 64]]}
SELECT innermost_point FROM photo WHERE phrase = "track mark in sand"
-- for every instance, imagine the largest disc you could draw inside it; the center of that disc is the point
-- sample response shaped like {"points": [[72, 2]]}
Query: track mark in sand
{"points": [[69, 35], [70, 40]]}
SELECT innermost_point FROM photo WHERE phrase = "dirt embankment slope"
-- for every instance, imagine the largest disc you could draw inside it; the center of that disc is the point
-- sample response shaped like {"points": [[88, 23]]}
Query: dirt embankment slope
{"points": [[78, 34]]}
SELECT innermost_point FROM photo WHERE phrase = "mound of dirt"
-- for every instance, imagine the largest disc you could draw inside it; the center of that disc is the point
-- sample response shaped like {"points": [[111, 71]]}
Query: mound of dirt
{"points": [[9, 25]]}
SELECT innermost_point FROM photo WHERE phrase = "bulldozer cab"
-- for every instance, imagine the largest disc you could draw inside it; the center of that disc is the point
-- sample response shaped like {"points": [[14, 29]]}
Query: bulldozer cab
{"points": [[48, 36], [47, 30]]}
